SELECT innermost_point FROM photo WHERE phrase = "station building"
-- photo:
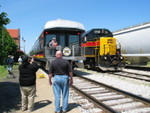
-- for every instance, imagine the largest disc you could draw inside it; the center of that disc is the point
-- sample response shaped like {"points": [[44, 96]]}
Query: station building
{"points": [[15, 34]]}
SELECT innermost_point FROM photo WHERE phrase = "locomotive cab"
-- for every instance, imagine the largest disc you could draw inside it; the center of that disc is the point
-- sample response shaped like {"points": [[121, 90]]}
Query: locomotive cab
{"points": [[100, 50]]}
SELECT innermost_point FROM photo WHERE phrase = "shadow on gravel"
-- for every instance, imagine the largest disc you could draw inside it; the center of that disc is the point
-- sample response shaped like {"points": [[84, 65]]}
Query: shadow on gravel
{"points": [[81, 73], [41, 104], [9, 97], [72, 106]]}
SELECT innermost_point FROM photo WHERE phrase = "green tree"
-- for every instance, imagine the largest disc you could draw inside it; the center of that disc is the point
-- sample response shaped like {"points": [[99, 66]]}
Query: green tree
{"points": [[3, 19], [7, 44]]}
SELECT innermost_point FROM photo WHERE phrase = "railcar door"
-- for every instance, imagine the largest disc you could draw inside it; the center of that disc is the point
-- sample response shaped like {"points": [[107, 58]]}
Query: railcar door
{"points": [[74, 44], [62, 41]]}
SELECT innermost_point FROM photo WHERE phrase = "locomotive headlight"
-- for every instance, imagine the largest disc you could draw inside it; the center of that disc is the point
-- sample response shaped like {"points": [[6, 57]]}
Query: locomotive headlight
{"points": [[105, 58], [121, 57], [66, 51]]}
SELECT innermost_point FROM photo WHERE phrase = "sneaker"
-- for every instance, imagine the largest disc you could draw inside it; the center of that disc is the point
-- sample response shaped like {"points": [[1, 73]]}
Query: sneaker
{"points": [[29, 111], [24, 109]]}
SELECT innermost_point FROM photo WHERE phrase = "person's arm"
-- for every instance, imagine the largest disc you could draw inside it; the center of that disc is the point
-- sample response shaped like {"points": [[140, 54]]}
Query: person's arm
{"points": [[50, 73], [50, 78], [71, 78], [50, 44]]}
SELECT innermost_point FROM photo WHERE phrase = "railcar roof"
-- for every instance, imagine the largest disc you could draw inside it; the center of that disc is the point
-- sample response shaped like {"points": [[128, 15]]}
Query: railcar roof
{"points": [[60, 23], [133, 28], [87, 32]]}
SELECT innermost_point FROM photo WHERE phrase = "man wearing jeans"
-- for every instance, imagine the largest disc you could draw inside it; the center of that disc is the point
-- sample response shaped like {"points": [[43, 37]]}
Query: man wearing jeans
{"points": [[10, 62], [61, 70]]}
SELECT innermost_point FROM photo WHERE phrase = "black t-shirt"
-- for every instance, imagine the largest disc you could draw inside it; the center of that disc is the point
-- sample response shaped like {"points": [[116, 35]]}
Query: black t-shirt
{"points": [[60, 66], [28, 74]]}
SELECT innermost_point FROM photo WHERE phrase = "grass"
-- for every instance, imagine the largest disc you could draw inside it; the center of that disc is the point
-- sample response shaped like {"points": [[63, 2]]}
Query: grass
{"points": [[148, 64], [3, 72]]}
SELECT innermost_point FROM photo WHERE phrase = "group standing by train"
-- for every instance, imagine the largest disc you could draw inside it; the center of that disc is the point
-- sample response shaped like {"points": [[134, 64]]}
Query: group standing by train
{"points": [[61, 46]]}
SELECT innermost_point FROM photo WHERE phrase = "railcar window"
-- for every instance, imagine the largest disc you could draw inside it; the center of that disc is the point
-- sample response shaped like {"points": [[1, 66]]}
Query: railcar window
{"points": [[49, 38], [62, 41], [73, 40]]}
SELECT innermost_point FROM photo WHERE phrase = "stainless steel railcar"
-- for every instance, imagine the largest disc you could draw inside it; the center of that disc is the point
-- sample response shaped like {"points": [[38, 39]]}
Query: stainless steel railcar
{"points": [[67, 35]]}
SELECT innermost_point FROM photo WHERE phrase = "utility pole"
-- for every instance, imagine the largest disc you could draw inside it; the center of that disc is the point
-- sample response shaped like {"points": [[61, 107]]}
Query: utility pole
{"points": [[24, 41]]}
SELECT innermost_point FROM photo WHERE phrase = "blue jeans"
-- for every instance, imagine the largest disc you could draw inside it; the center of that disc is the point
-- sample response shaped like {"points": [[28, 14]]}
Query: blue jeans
{"points": [[9, 67], [61, 86]]}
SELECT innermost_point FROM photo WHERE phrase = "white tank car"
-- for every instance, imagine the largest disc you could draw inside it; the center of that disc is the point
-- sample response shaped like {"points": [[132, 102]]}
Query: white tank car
{"points": [[135, 43]]}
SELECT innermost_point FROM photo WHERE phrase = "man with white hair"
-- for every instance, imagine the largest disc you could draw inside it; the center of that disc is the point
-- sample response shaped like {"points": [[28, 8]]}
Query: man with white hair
{"points": [[61, 70]]}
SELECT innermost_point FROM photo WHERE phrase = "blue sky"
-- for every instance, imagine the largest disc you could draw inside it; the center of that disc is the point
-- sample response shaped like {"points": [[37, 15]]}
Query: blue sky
{"points": [[30, 16]]}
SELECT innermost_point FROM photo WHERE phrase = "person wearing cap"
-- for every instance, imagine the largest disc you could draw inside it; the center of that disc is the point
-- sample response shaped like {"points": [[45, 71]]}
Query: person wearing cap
{"points": [[61, 71], [10, 62], [27, 80], [52, 45]]}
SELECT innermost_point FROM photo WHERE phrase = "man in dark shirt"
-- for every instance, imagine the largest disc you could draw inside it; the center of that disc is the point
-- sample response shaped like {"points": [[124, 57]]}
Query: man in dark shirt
{"points": [[10, 62], [61, 70], [27, 80]]}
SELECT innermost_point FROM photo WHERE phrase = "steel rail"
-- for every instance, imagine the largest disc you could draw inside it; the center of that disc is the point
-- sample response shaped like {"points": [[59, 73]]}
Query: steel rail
{"points": [[131, 76], [95, 101]]}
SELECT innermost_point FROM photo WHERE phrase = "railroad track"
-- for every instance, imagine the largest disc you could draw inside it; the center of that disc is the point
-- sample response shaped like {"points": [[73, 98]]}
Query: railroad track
{"points": [[138, 68], [101, 98], [133, 75]]}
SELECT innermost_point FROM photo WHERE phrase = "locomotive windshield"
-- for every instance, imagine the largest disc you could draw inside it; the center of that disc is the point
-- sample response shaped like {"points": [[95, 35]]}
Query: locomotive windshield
{"points": [[96, 33]]}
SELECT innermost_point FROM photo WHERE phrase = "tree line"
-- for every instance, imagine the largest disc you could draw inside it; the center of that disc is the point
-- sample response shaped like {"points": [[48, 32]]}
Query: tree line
{"points": [[7, 44]]}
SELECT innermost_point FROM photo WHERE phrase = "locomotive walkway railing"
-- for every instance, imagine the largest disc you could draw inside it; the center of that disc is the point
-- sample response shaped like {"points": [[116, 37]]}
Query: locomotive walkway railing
{"points": [[75, 51]]}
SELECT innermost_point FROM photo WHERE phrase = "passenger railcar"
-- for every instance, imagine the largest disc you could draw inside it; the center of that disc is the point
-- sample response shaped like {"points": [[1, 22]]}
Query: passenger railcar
{"points": [[100, 49], [67, 34]]}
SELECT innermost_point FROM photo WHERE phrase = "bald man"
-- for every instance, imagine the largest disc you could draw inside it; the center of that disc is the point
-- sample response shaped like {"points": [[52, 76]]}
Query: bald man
{"points": [[61, 70]]}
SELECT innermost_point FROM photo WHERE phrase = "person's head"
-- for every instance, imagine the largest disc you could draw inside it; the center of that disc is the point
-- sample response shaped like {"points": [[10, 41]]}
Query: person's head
{"points": [[58, 54], [54, 39], [9, 56], [25, 59]]}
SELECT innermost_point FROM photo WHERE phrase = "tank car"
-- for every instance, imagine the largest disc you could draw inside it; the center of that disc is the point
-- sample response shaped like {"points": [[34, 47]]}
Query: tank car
{"points": [[100, 49], [67, 34], [135, 41]]}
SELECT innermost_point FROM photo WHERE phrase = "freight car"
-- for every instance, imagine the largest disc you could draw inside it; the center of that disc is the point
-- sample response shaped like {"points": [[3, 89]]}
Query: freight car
{"points": [[135, 41], [100, 49]]}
